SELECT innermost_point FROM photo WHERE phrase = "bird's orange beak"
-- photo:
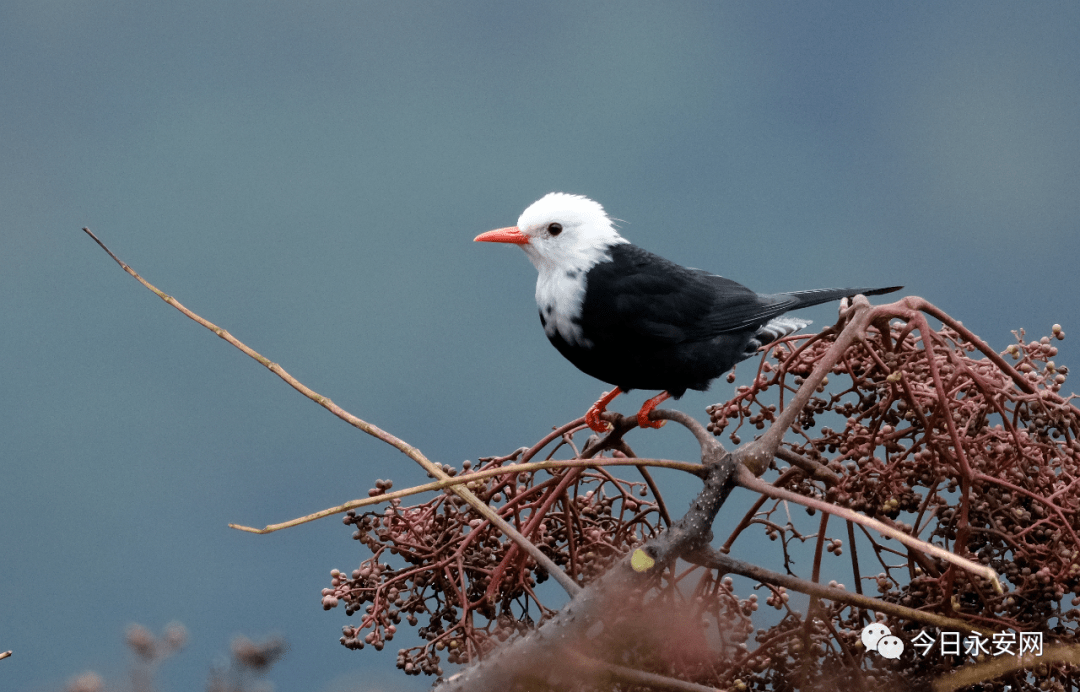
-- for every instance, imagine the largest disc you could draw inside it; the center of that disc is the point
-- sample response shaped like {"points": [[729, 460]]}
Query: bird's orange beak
{"points": [[503, 235]]}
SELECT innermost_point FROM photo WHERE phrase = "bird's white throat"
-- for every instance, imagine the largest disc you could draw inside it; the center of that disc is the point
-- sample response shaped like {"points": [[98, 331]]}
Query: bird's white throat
{"points": [[585, 235], [560, 291]]}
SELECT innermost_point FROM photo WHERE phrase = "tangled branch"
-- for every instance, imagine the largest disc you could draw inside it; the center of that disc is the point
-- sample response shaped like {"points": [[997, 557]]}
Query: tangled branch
{"points": [[924, 436]]}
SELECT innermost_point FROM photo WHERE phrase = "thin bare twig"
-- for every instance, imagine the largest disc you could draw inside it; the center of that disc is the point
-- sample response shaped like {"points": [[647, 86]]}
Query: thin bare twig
{"points": [[751, 482], [813, 469], [553, 435], [625, 450], [467, 478], [998, 666], [709, 444], [714, 559], [412, 452]]}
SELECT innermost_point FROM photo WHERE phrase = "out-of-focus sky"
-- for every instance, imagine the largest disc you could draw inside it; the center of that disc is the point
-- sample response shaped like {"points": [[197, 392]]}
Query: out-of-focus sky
{"points": [[310, 176]]}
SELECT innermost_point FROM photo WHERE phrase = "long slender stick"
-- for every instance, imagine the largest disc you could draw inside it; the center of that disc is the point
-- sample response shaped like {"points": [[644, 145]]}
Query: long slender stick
{"points": [[412, 452], [714, 559], [467, 478], [751, 482]]}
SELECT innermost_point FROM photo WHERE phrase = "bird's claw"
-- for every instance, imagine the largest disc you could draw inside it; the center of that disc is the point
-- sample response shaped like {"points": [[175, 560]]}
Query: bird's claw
{"points": [[644, 421], [592, 416], [647, 408], [595, 422]]}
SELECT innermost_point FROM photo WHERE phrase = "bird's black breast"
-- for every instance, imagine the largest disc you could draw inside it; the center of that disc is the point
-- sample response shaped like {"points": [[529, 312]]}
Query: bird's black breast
{"points": [[649, 323]]}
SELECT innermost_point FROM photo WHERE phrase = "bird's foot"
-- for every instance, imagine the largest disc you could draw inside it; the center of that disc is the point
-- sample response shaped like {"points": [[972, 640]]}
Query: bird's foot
{"points": [[647, 408], [592, 416]]}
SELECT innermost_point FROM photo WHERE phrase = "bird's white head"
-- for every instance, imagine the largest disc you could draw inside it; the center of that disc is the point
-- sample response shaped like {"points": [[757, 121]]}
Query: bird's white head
{"points": [[561, 232]]}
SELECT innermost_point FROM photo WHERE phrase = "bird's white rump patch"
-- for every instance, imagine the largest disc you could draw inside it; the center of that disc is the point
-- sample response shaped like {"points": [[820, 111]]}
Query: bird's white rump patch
{"points": [[776, 328], [779, 327]]}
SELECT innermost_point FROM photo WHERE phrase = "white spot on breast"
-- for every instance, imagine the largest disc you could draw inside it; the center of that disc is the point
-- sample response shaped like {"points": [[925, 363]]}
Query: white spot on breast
{"points": [[560, 298]]}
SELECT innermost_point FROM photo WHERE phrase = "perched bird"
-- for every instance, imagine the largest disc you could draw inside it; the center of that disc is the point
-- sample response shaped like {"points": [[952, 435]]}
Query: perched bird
{"points": [[635, 320]]}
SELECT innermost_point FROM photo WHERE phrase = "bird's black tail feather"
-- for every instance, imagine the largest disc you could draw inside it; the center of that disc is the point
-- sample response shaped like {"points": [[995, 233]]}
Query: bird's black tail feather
{"points": [[824, 295]]}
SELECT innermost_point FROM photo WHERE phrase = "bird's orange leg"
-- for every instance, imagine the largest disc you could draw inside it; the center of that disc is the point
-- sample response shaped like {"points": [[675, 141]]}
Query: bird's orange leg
{"points": [[592, 416], [647, 408]]}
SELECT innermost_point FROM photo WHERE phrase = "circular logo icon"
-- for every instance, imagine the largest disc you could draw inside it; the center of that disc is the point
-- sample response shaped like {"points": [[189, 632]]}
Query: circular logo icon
{"points": [[877, 637], [890, 646], [872, 634]]}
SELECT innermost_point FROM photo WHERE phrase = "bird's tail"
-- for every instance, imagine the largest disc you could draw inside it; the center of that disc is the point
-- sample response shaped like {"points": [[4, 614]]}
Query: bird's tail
{"points": [[824, 295]]}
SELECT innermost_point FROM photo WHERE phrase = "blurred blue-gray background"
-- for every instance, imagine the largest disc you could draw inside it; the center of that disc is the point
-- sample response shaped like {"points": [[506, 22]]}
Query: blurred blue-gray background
{"points": [[310, 176]]}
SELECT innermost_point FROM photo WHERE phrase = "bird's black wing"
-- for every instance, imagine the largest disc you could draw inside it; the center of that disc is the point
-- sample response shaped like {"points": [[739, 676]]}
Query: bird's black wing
{"points": [[732, 312], [643, 297]]}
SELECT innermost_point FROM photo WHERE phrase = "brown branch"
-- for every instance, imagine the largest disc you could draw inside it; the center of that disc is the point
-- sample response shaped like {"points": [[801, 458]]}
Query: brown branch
{"points": [[709, 444], [748, 518], [545, 648], [623, 448], [467, 478], [553, 435], [757, 455], [714, 559], [931, 309], [813, 469], [996, 667], [412, 452], [564, 636], [751, 482]]}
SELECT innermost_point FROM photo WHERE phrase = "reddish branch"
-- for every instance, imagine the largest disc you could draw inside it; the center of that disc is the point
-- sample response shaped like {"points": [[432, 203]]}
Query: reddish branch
{"points": [[919, 434]]}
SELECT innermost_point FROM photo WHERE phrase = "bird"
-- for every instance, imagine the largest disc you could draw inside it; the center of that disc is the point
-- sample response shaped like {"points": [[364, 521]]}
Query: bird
{"points": [[635, 320]]}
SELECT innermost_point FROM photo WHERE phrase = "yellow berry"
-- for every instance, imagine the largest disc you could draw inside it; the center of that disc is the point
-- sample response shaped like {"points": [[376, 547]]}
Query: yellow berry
{"points": [[641, 561]]}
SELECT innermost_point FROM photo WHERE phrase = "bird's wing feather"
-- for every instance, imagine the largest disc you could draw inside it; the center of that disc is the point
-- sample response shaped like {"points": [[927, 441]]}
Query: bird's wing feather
{"points": [[642, 296], [737, 308], [639, 295]]}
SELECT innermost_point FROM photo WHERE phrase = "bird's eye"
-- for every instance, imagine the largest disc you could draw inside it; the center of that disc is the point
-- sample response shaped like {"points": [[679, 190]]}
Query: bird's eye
{"points": [[555, 228]]}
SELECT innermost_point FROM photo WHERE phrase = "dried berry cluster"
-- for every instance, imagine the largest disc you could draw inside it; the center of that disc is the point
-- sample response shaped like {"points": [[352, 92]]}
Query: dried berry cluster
{"points": [[814, 654], [927, 430], [939, 436], [150, 649], [249, 661], [460, 582]]}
